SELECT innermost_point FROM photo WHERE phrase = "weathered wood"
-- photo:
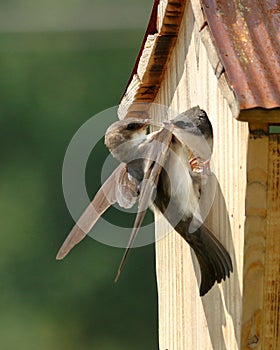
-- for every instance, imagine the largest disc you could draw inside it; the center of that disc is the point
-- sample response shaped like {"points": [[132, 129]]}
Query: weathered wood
{"points": [[128, 97], [260, 115], [261, 301], [243, 312], [229, 96], [271, 322], [198, 14], [168, 14], [187, 321], [155, 56], [255, 232], [211, 51]]}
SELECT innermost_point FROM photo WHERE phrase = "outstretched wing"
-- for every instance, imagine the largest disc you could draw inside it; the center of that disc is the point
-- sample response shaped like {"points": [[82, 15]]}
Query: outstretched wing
{"points": [[120, 188], [155, 160]]}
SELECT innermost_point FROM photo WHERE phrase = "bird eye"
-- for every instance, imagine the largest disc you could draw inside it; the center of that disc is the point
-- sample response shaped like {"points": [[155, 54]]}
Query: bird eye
{"points": [[132, 126]]}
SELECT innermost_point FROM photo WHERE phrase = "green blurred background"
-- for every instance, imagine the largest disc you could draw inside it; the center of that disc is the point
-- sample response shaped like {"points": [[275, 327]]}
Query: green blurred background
{"points": [[60, 63]]}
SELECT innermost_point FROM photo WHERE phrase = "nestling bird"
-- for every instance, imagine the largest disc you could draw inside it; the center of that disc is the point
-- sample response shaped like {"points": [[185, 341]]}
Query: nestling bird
{"points": [[162, 157]]}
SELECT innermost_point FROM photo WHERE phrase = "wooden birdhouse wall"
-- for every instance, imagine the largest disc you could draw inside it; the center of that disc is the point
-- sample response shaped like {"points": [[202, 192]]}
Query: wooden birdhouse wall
{"points": [[178, 67], [261, 292], [194, 76]]}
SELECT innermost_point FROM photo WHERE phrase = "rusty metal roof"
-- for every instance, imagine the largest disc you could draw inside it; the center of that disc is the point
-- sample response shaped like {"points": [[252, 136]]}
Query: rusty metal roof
{"points": [[246, 35]]}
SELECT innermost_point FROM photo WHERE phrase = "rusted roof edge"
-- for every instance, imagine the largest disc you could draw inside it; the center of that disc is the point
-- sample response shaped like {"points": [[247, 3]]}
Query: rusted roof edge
{"points": [[246, 36], [158, 43]]}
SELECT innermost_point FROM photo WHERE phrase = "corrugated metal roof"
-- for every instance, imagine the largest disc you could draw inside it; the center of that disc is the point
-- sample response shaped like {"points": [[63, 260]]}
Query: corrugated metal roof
{"points": [[246, 34]]}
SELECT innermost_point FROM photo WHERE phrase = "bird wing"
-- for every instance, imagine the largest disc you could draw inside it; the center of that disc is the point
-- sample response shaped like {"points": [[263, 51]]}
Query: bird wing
{"points": [[156, 158], [126, 189], [119, 187]]}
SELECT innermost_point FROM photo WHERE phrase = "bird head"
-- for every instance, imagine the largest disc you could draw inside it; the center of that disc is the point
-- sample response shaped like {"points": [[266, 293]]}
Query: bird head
{"points": [[194, 129], [123, 137]]}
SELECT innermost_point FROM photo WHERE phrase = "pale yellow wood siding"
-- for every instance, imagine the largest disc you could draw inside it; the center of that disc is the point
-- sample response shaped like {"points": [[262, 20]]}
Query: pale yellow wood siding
{"points": [[187, 321]]}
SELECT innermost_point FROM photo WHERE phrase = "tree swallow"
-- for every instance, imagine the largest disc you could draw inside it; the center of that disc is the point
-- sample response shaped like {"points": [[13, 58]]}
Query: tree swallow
{"points": [[156, 170]]}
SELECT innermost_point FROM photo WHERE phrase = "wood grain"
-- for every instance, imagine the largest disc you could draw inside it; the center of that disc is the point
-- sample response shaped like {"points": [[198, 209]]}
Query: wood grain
{"points": [[187, 321], [180, 68], [254, 245], [271, 322], [154, 58]]}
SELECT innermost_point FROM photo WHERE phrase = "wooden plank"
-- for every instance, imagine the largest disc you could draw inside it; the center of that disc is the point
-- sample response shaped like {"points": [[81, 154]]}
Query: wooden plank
{"points": [[181, 74], [153, 60], [271, 321], [261, 300], [198, 14], [211, 51], [254, 245], [187, 321], [168, 14], [147, 53], [259, 115], [152, 63], [229, 95], [129, 97]]}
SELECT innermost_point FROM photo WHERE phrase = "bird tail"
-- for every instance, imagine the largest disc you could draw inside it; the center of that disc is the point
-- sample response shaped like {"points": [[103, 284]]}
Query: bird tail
{"points": [[214, 260]]}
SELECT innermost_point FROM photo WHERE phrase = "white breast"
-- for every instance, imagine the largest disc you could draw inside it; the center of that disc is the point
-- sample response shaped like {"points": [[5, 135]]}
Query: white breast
{"points": [[182, 189]]}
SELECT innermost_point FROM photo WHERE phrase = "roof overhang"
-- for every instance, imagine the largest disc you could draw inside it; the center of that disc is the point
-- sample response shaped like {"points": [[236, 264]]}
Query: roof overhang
{"points": [[150, 65], [246, 40]]}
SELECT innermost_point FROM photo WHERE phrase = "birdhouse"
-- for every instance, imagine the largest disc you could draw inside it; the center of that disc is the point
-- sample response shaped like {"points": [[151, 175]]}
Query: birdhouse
{"points": [[225, 57]]}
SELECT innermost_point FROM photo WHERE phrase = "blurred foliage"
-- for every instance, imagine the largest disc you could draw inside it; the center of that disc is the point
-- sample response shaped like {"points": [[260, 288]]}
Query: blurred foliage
{"points": [[50, 84]]}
